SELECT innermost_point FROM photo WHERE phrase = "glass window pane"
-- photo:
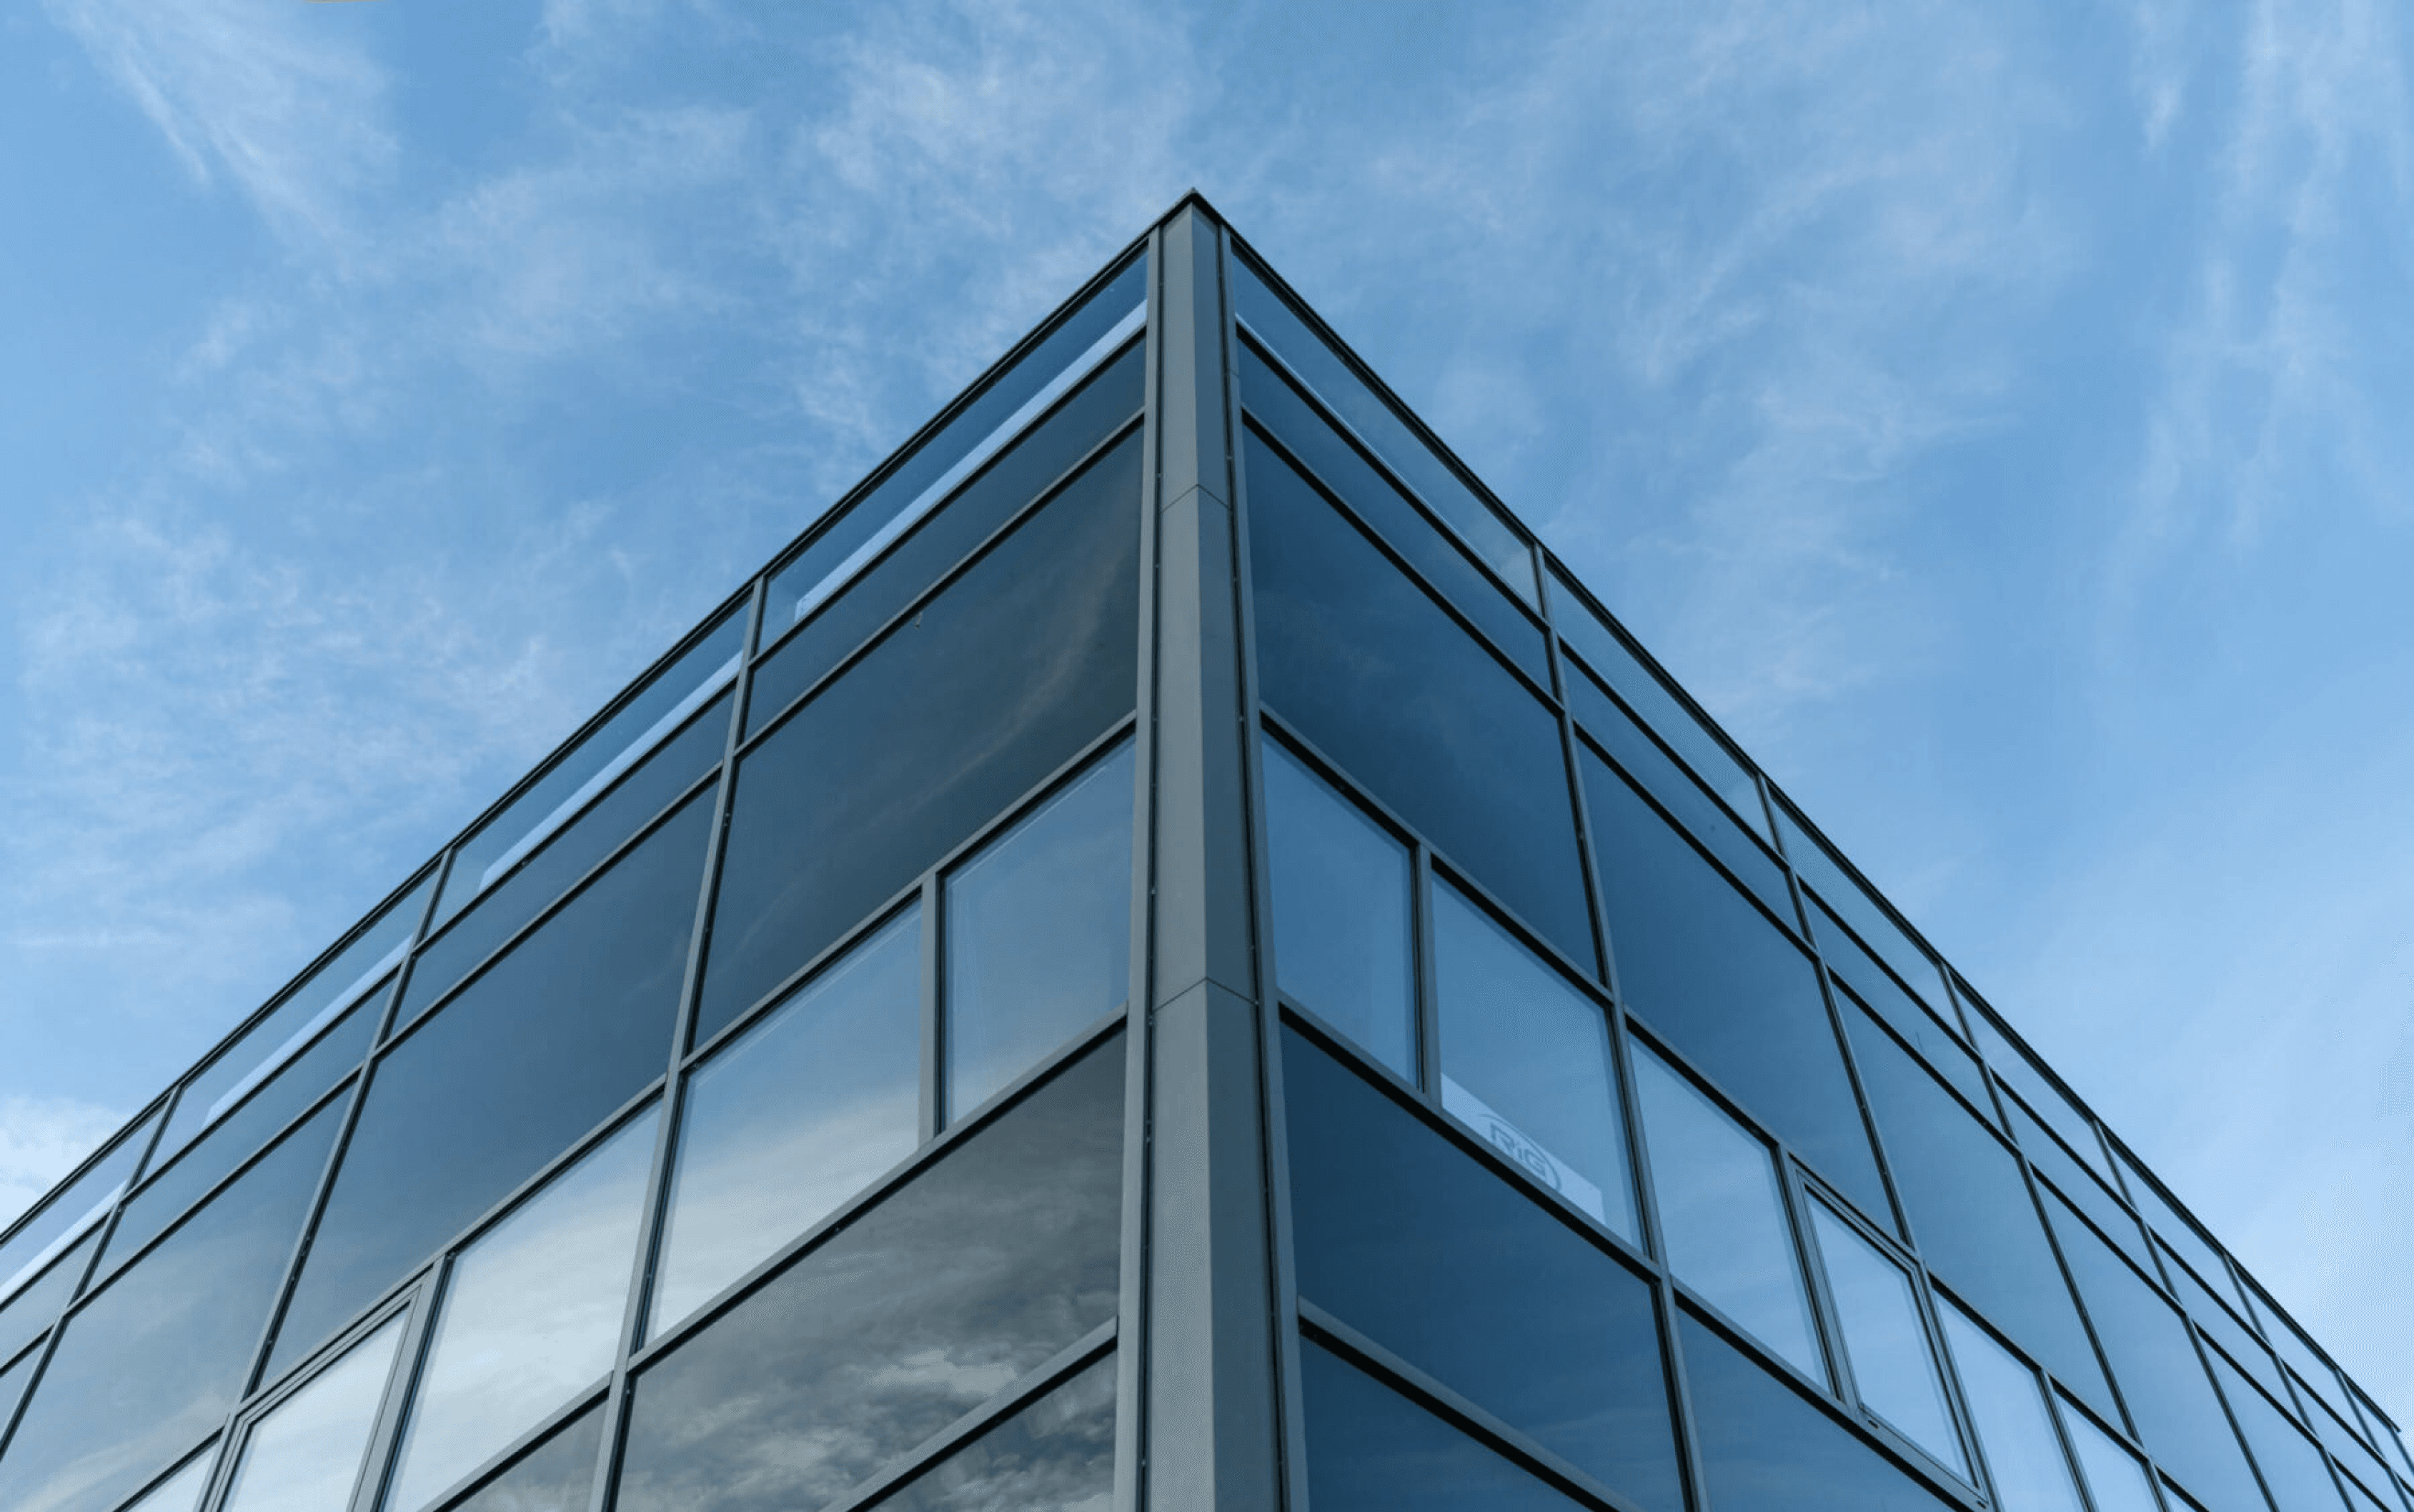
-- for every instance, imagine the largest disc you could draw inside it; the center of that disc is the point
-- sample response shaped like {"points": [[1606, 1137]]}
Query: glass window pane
{"points": [[1858, 907], [2360, 1462], [1371, 1449], [920, 1309], [541, 1048], [1877, 987], [1055, 1453], [1723, 1214], [1341, 906], [157, 1358], [2116, 1479], [1766, 1449], [305, 1454], [181, 1492], [1525, 1063], [2294, 1471], [2025, 1074], [1408, 1240], [950, 719], [530, 1314], [1886, 1343], [40, 1302], [2298, 1352], [796, 1116], [2227, 1330], [2007, 1408], [1972, 1217], [14, 1377], [1039, 934], [2174, 1230], [1729, 989], [2078, 1185], [71, 1212], [558, 1476], [1368, 667]]}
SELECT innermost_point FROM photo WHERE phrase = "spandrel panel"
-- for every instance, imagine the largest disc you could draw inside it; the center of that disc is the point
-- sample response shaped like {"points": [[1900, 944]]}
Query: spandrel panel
{"points": [[1371, 1449], [1884, 995], [956, 1286], [181, 1492], [304, 1453], [1057, 1452], [995, 684], [1526, 1063], [796, 1116], [153, 1362], [1442, 559], [1038, 934], [1341, 908], [2294, 1471], [558, 1476], [2007, 1408], [2116, 1479], [2154, 1362], [1026, 470], [568, 1026], [1723, 1214], [1494, 540], [1858, 906], [2079, 1186], [1886, 1345], [574, 849], [1418, 1246], [1767, 1449], [1366, 665], [70, 1213], [530, 1314], [38, 1303], [1972, 1217], [1727, 988]]}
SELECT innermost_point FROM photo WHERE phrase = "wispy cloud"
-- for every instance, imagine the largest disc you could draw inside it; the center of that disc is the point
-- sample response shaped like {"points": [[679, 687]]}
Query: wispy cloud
{"points": [[42, 1140]]}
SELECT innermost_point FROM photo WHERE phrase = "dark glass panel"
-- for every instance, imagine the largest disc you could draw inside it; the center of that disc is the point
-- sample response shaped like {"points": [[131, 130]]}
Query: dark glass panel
{"points": [[1345, 470], [558, 1476], [231, 1140], [569, 1025], [2079, 1186], [573, 850], [1366, 665], [1972, 1217], [2293, 1468], [987, 1265], [1419, 1247], [1858, 907], [944, 538], [156, 1360], [1763, 1447], [1877, 987], [1341, 906], [1727, 988], [2154, 1362], [1057, 1452], [1370, 1449], [71, 1212], [39, 1304], [995, 684], [2227, 1330]]}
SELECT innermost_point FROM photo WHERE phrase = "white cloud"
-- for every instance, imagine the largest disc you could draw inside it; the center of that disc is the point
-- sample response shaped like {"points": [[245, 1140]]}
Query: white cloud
{"points": [[42, 1140]]}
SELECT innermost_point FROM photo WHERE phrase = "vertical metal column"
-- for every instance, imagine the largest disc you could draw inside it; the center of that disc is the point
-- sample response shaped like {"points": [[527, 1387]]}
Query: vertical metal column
{"points": [[1210, 1409]]}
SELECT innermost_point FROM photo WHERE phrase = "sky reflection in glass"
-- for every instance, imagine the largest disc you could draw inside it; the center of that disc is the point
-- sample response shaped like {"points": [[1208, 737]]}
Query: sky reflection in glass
{"points": [[1894, 1367], [1341, 913], [181, 1492], [1057, 1453], [2007, 1408], [304, 1455], [2116, 1479]]}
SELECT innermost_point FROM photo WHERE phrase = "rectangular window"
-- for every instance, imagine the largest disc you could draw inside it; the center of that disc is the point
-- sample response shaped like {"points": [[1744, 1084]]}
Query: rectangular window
{"points": [[1372, 1449], [1885, 1340], [306, 1450], [2294, 1470], [1876, 988], [2016, 1437], [557, 1476], [2116, 1479], [1859, 907], [71, 1212], [1341, 906], [1057, 1450]]}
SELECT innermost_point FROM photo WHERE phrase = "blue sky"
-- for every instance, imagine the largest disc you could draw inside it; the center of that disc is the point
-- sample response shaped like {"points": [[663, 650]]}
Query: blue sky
{"points": [[1986, 410]]}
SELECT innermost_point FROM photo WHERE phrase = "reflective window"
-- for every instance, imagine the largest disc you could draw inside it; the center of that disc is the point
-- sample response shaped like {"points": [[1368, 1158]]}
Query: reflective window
{"points": [[1034, 651], [13, 1378], [2360, 1462], [1405, 1239], [1341, 904], [1728, 989], [531, 1312], [1370, 1449], [1525, 1063], [181, 1492], [2224, 1326], [1885, 1343], [1723, 1214], [1876, 988], [2293, 1468], [1766, 1449], [2298, 1352], [558, 1476], [1859, 907], [504, 1077], [1973, 1219], [2116, 1479], [2174, 1230], [2078, 1185], [1329, 376], [304, 1453], [71, 1212], [952, 1288], [2376, 1428], [794, 1116], [1038, 934], [1058, 1451], [1369, 668], [2007, 1408], [156, 1359], [2026, 1075], [38, 1303]]}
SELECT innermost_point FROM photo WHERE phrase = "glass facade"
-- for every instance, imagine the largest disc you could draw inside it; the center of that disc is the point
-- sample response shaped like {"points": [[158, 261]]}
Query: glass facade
{"points": [[1165, 955]]}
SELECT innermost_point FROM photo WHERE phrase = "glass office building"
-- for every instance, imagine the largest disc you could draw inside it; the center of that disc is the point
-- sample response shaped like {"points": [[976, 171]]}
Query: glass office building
{"points": [[1168, 954]]}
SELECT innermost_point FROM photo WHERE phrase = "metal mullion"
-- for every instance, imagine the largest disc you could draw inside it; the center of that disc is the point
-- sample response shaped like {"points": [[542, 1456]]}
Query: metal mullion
{"points": [[1580, 807], [1795, 927], [247, 1415], [930, 1082], [504, 1461], [401, 1381], [1425, 964], [1761, 837]]}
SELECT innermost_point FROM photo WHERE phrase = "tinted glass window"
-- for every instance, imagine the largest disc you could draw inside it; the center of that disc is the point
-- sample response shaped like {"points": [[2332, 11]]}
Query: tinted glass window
{"points": [[72, 1213], [2116, 1479], [1858, 906], [39, 1304], [2078, 1186], [181, 1492], [2242, 1346], [985, 1265], [1409, 1240], [534, 1053], [1886, 1343], [1726, 987], [558, 1476], [2008, 1407], [1370, 1449], [305, 1451], [1058, 1451], [2343, 1441], [2178, 1418], [796, 1116], [2294, 1348], [885, 587], [1723, 1214], [1341, 913], [1877, 988], [1767, 1449], [157, 1358], [2023, 1075], [959, 712], [1374, 674], [1038, 934], [2293, 1468]]}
